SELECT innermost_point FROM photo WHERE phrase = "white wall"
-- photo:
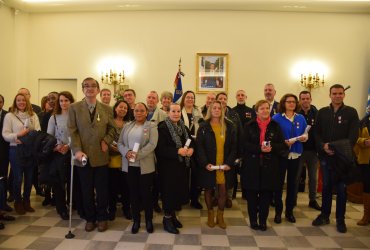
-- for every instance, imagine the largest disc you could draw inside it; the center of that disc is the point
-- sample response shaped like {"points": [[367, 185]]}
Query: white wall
{"points": [[7, 53], [263, 47]]}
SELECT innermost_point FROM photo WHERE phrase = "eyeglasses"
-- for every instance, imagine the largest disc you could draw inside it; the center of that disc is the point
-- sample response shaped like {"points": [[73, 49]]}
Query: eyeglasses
{"points": [[189, 98], [90, 86]]}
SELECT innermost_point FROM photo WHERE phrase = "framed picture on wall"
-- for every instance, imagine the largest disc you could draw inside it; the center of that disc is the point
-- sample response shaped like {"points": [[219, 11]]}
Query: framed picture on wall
{"points": [[212, 72]]}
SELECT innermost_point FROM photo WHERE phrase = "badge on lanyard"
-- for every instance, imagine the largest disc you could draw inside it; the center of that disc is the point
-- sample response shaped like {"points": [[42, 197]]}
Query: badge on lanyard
{"points": [[339, 119]]}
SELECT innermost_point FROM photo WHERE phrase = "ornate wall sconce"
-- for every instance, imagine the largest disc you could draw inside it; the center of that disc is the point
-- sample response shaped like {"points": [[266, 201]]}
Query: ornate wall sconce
{"points": [[115, 79], [312, 81]]}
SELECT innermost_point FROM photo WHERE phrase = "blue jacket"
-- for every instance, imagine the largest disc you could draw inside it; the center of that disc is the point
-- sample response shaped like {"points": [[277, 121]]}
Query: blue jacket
{"points": [[291, 130]]}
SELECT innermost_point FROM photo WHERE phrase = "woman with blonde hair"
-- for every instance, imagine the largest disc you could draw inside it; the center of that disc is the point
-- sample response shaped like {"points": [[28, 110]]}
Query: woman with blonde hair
{"points": [[17, 123], [216, 153]]}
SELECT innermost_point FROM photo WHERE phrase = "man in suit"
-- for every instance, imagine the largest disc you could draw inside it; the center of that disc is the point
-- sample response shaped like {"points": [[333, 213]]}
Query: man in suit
{"points": [[90, 125], [270, 92]]}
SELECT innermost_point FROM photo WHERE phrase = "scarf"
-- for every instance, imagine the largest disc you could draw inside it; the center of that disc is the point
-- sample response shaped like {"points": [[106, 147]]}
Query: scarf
{"points": [[176, 131], [263, 127]]}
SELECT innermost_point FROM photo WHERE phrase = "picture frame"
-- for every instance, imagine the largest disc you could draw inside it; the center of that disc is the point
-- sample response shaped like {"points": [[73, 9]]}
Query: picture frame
{"points": [[212, 72]]}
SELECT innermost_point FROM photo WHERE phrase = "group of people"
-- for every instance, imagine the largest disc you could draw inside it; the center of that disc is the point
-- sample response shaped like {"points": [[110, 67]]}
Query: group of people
{"points": [[138, 153]]}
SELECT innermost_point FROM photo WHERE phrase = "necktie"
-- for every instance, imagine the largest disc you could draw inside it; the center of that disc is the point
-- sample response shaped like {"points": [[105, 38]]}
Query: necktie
{"points": [[91, 109]]}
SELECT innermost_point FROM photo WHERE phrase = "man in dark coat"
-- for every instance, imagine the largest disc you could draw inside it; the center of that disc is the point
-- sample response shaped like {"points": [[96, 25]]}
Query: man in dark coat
{"points": [[334, 122]]}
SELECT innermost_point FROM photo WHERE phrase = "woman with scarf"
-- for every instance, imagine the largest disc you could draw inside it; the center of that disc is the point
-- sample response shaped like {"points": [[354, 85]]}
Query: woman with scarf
{"points": [[173, 159], [216, 153], [191, 116], [263, 143]]}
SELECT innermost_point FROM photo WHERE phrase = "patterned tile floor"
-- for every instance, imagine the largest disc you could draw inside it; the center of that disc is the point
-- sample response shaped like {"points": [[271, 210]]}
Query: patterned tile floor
{"points": [[45, 230]]}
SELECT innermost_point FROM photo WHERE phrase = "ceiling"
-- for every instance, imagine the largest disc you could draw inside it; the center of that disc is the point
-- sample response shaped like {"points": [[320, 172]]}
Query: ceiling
{"points": [[333, 6]]}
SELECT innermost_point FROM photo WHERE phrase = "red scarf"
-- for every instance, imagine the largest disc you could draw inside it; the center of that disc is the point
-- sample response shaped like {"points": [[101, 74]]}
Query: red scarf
{"points": [[263, 127]]}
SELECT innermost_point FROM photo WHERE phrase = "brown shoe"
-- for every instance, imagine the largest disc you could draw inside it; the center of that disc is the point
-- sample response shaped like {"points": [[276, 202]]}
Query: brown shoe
{"points": [[90, 226], [19, 208], [27, 206], [102, 226]]}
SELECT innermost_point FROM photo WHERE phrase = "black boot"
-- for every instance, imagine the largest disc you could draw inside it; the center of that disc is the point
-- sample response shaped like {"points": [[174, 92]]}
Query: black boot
{"points": [[175, 221], [168, 225], [149, 226], [135, 227]]}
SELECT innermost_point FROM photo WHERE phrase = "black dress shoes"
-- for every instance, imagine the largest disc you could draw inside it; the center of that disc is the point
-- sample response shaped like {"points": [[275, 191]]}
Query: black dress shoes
{"points": [[135, 227], [277, 218], [149, 226], [255, 226], [169, 226], [290, 217], [263, 227]]}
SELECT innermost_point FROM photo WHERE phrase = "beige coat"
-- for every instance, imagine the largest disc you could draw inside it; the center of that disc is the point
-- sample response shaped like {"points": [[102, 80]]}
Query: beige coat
{"points": [[86, 135], [148, 143]]}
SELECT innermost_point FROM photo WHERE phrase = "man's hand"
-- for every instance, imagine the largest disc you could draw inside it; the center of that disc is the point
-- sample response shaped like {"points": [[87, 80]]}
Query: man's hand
{"points": [[104, 146], [79, 155]]}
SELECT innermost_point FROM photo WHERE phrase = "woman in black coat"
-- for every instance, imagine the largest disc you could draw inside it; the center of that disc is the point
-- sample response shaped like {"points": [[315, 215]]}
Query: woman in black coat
{"points": [[216, 147], [173, 161], [263, 143]]}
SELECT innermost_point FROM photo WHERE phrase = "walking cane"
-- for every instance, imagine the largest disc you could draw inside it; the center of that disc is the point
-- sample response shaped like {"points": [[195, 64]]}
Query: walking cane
{"points": [[70, 235]]}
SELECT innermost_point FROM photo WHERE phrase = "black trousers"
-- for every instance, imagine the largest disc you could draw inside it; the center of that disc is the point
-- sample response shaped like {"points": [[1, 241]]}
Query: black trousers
{"points": [[140, 186], [94, 178], [258, 205], [291, 168], [118, 186]]}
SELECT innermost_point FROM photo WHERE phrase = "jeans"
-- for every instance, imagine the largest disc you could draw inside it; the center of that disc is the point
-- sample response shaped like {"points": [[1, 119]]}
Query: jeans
{"points": [[309, 158], [19, 171], [329, 181]]}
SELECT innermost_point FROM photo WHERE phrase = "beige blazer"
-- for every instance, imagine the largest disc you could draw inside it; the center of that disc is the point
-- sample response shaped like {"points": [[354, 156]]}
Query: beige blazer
{"points": [[86, 135], [148, 143]]}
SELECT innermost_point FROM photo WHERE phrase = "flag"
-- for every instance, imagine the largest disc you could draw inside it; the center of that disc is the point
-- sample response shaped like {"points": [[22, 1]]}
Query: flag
{"points": [[178, 87]]}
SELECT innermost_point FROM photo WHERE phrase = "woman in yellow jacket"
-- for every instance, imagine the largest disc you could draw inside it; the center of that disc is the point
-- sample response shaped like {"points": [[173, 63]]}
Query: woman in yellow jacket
{"points": [[362, 150]]}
